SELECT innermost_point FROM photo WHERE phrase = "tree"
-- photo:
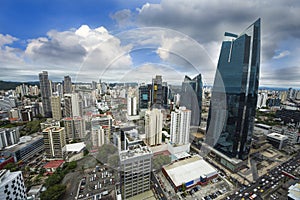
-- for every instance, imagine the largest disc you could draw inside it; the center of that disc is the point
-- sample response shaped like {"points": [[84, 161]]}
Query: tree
{"points": [[11, 167], [54, 193]]}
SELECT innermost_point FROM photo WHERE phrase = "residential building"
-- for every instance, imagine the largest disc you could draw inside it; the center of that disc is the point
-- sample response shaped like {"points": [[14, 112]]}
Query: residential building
{"points": [[56, 108], [74, 128], [73, 105], [180, 126], [153, 126], [131, 106], [9, 136], [98, 136]]}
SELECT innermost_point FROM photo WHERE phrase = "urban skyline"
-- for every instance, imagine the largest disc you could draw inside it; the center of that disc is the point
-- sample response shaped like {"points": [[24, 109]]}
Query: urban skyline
{"points": [[50, 46]]}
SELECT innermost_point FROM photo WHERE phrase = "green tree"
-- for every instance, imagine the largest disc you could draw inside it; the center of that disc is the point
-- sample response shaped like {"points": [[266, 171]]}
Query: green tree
{"points": [[54, 193], [11, 167]]}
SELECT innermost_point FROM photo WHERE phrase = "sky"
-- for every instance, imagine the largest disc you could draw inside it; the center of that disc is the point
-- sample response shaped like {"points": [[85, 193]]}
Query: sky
{"points": [[117, 40]]}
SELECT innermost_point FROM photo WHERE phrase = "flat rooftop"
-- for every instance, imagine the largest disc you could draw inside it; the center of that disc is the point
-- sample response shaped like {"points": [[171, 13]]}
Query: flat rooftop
{"points": [[13, 148], [189, 169], [277, 136], [134, 151]]}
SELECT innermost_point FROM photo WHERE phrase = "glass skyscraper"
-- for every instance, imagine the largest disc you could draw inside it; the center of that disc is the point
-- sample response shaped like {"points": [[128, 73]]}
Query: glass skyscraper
{"points": [[45, 93], [191, 97], [234, 95]]}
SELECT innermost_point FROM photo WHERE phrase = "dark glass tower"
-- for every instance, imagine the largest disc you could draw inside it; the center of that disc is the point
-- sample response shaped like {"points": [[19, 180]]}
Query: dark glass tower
{"points": [[234, 95], [191, 97], [45, 93], [144, 95], [67, 85]]}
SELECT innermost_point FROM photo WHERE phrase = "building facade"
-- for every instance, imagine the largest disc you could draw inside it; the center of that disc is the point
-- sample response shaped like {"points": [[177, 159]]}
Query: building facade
{"points": [[191, 97], [153, 126], [9, 136], [45, 93], [135, 170], [12, 185], [74, 128], [67, 85], [180, 126], [234, 94], [55, 142], [56, 108]]}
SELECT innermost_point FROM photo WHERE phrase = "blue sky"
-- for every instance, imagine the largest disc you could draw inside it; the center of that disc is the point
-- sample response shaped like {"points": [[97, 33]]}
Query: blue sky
{"points": [[136, 39]]}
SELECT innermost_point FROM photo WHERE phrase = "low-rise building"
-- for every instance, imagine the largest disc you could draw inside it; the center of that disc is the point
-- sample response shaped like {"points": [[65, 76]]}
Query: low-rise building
{"points": [[277, 140], [189, 172], [53, 165]]}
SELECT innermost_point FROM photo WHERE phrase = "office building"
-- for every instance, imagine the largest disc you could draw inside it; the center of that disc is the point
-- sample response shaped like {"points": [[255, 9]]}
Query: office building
{"points": [[180, 126], [27, 148], [135, 170], [157, 100], [55, 142], [67, 83], [153, 126], [234, 94], [9, 136], [191, 97], [277, 140], [144, 95], [56, 108], [74, 128], [131, 106], [12, 185], [45, 93]]}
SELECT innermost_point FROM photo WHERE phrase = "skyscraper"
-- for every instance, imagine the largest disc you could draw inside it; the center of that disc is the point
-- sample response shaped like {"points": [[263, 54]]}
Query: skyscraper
{"points": [[153, 126], [234, 95], [191, 97], [144, 95], [73, 105], [180, 126], [67, 85], [45, 93], [56, 108]]}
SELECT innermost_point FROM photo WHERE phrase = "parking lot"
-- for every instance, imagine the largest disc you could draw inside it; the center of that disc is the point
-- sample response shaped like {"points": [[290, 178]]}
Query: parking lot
{"points": [[97, 184]]}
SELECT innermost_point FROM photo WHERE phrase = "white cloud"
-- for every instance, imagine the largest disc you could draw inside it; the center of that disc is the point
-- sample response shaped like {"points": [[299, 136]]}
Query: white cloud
{"points": [[6, 39], [281, 54]]}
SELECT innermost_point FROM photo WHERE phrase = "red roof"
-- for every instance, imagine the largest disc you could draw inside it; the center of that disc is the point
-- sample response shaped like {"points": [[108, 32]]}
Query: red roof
{"points": [[54, 164]]}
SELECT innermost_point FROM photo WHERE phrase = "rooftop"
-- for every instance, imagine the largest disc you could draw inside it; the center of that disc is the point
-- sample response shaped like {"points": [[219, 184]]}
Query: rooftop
{"points": [[192, 168], [277, 136], [54, 164], [23, 143], [134, 151], [75, 147], [294, 191]]}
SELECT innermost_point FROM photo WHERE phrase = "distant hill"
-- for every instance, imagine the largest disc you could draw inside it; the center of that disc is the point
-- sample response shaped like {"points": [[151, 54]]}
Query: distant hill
{"points": [[8, 85]]}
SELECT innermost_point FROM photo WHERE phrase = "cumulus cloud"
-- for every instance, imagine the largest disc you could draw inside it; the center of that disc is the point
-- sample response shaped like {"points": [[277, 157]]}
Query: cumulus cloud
{"points": [[206, 23], [6, 39], [123, 17]]}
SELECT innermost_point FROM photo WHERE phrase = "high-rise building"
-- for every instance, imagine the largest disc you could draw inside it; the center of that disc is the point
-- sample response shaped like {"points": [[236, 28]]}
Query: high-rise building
{"points": [[105, 121], [135, 170], [67, 85], [12, 185], [45, 93], [153, 126], [9, 136], [180, 126], [74, 128], [54, 142], [157, 93], [131, 106], [234, 94], [191, 97], [56, 108], [98, 136], [144, 95], [73, 105]]}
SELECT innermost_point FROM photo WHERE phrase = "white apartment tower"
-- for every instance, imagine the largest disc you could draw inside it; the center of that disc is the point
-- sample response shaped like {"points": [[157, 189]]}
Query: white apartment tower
{"points": [[131, 106], [153, 126], [180, 126]]}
